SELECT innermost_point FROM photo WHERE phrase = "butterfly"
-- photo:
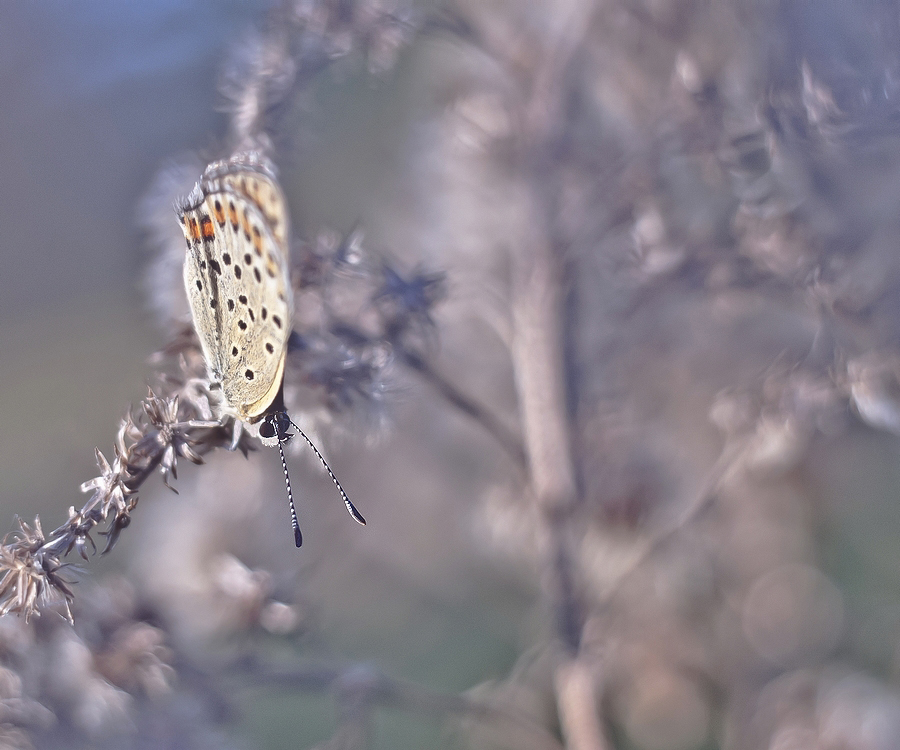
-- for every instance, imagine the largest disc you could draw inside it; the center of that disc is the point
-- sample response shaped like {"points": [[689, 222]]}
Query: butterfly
{"points": [[237, 278]]}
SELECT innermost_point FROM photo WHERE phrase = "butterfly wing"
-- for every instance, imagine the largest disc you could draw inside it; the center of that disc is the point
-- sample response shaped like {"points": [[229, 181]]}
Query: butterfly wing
{"points": [[237, 278]]}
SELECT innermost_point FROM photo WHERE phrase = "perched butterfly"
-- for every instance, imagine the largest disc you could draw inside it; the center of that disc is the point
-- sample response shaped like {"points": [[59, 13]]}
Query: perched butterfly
{"points": [[236, 273]]}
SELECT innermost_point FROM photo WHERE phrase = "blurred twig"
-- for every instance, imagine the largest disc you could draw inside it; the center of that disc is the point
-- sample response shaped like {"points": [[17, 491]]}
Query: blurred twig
{"points": [[358, 688], [539, 333], [467, 405]]}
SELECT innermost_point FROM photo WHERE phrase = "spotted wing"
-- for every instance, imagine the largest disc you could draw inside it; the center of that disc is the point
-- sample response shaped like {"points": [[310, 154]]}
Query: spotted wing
{"points": [[251, 176], [237, 278]]}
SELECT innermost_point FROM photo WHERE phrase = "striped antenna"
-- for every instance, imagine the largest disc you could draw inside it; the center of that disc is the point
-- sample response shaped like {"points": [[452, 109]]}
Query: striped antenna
{"points": [[351, 508], [278, 422], [295, 524]]}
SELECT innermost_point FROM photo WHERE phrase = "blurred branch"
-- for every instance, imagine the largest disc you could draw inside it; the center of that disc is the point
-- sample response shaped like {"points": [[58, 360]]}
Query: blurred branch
{"points": [[357, 688], [537, 312], [576, 692], [728, 463], [539, 333], [468, 406]]}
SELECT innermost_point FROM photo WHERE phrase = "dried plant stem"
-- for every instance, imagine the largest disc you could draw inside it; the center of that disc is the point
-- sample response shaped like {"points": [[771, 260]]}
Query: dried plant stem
{"points": [[468, 406], [538, 336], [537, 358], [537, 355], [577, 699]]}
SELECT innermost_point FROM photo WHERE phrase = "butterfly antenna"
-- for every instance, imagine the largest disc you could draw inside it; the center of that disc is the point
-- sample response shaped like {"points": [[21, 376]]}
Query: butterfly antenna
{"points": [[351, 508], [298, 537]]}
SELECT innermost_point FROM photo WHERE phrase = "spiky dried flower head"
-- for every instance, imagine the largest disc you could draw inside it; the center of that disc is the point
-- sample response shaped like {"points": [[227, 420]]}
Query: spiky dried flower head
{"points": [[31, 574]]}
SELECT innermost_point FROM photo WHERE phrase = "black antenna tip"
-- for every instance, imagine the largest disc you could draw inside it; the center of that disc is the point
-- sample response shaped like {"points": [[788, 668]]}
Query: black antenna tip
{"points": [[282, 438], [351, 508], [357, 516]]}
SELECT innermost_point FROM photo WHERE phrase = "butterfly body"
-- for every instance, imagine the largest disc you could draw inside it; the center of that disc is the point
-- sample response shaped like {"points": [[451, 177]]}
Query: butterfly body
{"points": [[236, 274]]}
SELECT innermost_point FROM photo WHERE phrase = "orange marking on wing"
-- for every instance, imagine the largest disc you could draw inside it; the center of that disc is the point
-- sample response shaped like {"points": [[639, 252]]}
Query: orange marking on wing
{"points": [[207, 226]]}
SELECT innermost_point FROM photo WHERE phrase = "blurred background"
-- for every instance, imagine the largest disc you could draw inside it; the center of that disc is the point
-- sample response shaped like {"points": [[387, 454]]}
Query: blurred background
{"points": [[600, 305]]}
